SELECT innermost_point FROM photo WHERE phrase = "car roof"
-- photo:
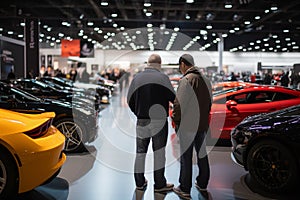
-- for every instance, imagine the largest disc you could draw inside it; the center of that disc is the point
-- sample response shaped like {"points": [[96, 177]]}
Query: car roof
{"points": [[261, 88]]}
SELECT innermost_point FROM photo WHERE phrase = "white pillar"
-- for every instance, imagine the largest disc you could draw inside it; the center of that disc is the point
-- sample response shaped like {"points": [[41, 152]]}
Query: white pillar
{"points": [[220, 50]]}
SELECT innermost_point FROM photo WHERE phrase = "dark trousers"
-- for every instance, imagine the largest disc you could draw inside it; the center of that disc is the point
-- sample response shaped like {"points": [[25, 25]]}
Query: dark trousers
{"points": [[157, 130], [186, 149]]}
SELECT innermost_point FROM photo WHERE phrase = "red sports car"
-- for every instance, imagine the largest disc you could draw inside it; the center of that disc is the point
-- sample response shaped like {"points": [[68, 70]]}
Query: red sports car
{"points": [[231, 84], [231, 108]]}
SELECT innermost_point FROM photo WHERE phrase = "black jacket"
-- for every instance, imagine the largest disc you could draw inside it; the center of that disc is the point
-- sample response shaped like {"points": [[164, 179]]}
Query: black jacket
{"points": [[149, 94]]}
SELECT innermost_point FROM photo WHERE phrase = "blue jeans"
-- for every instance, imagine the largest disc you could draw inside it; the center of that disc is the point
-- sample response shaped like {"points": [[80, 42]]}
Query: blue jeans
{"points": [[157, 130], [186, 168]]}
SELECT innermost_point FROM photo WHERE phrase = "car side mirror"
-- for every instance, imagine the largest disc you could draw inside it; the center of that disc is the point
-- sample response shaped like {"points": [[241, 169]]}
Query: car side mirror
{"points": [[230, 104]]}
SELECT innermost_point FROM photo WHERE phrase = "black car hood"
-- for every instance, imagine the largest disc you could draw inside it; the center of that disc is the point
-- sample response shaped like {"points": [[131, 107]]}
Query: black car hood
{"points": [[278, 120]]}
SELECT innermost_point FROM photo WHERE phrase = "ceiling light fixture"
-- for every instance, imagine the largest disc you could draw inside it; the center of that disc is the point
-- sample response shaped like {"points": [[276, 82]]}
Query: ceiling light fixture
{"points": [[203, 32], [257, 17], [90, 23], [224, 35], [176, 29], [104, 3], [189, 1], [228, 5], [148, 14], [147, 3], [273, 8], [162, 26], [209, 27]]}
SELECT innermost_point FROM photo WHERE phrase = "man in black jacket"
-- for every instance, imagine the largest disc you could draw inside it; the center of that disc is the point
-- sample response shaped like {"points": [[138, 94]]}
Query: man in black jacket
{"points": [[148, 97], [191, 117]]}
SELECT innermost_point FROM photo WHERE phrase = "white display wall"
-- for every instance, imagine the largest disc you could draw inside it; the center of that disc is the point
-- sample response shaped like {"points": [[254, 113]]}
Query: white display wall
{"points": [[233, 61]]}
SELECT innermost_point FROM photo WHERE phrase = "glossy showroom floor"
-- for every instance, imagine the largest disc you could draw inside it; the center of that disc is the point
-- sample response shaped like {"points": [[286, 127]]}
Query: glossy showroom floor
{"points": [[105, 171]]}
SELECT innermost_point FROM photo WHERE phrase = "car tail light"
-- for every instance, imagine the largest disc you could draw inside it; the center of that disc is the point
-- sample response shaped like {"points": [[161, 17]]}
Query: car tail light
{"points": [[40, 130]]}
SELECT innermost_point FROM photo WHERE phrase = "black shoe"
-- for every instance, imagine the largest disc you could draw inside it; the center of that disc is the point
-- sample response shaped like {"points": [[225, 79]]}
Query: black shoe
{"points": [[200, 188], [167, 188], [143, 187], [182, 194]]}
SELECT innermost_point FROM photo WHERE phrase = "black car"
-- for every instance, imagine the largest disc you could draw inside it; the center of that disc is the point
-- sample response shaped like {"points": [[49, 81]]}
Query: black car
{"points": [[268, 145], [77, 124], [44, 90], [67, 84]]}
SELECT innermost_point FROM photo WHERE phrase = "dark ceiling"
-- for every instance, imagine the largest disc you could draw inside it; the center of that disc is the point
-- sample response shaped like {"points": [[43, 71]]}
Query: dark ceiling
{"points": [[249, 25]]}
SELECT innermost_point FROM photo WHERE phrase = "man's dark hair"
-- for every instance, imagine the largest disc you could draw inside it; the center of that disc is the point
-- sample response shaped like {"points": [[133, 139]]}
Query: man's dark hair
{"points": [[187, 59]]}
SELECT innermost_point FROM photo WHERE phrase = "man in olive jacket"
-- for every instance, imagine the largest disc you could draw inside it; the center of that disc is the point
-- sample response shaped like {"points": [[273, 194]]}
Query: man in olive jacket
{"points": [[191, 117]]}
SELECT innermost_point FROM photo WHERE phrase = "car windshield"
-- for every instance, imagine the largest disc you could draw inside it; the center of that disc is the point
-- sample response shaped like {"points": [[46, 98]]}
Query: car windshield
{"points": [[26, 95], [216, 93], [59, 87]]}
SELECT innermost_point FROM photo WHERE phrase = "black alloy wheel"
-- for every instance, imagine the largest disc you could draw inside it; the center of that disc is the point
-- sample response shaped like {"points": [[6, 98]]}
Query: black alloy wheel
{"points": [[8, 176], [272, 166]]}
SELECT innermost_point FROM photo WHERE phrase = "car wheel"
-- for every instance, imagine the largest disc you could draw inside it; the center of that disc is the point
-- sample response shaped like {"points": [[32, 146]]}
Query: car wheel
{"points": [[272, 166], [73, 133], [8, 177]]}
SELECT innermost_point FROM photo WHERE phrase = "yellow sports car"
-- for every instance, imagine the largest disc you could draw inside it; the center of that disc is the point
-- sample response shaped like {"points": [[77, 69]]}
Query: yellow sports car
{"points": [[30, 151]]}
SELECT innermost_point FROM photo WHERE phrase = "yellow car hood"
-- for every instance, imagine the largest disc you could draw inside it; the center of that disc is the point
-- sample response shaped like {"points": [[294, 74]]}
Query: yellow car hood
{"points": [[14, 122]]}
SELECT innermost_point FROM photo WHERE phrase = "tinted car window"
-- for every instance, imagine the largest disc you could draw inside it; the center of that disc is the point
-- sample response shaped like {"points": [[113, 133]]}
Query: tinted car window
{"points": [[260, 97], [282, 96], [239, 98], [252, 97]]}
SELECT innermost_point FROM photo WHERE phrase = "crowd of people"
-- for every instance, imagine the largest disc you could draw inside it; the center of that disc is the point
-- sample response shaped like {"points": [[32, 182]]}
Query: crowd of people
{"points": [[285, 78], [80, 74]]}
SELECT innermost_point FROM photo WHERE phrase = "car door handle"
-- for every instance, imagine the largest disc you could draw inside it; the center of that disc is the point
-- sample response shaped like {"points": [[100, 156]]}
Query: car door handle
{"points": [[272, 109]]}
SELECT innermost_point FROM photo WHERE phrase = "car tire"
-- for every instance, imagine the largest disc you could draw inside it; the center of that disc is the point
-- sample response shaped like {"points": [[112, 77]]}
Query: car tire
{"points": [[74, 135], [8, 176], [272, 166]]}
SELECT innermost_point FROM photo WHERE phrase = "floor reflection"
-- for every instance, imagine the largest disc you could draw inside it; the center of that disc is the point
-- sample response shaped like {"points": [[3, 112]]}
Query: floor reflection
{"points": [[58, 188]]}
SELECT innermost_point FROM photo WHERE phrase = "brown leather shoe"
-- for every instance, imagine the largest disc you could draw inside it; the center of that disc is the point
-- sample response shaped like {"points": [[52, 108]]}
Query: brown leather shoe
{"points": [[168, 187], [143, 187], [182, 194]]}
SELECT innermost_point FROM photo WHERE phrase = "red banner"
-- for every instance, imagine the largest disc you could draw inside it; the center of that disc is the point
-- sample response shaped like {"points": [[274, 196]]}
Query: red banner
{"points": [[70, 48]]}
